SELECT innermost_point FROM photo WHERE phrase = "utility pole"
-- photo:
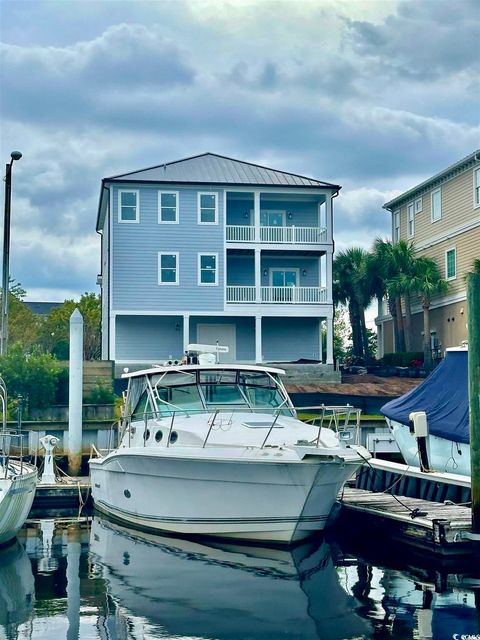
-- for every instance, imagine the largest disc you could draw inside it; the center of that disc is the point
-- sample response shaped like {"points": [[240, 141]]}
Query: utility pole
{"points": [[15, 155]]}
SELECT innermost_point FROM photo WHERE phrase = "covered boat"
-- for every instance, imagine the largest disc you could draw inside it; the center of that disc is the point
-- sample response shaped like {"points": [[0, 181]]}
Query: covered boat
{"points": [[444, 398]]}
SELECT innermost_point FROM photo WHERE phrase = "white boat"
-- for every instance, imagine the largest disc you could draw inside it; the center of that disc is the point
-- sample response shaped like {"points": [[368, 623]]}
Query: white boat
{"points": [[168, 587], [18, 481], [444, 398], [218, 450]]}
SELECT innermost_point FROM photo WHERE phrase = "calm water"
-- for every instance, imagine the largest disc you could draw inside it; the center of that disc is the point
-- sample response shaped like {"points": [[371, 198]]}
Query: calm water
{"points": [[94, 579]]}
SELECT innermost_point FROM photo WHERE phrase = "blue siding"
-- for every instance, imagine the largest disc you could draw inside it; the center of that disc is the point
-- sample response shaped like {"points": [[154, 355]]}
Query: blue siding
{"points": [[236, 210], [240, 270], [304, 214], [149, 338], [245, 333], [290, 338], [135, 255], [292, 262]]}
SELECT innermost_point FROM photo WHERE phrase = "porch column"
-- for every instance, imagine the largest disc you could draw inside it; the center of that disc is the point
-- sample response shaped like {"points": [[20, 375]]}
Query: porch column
{"points": [[112, 340], [186, 332], [329, 340], [329, 218], [329, 275], [258, 280], [258, 339], [256, 214], [320, 341]]}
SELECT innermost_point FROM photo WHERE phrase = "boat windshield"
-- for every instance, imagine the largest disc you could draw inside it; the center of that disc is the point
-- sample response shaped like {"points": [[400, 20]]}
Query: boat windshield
{"points": [[196, 391]]}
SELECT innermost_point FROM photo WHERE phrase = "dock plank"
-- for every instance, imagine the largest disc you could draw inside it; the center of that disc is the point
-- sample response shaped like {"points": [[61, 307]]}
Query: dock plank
{"points": [[432, 525]]}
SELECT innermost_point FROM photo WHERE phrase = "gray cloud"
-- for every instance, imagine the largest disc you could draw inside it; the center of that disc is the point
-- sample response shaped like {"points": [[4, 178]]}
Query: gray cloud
{"points": [[424, 40], [336, 98]]}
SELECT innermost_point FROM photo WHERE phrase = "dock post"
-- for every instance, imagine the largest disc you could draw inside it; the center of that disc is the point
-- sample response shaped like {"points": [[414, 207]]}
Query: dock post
{"points": [[75, 388], [473, 299]]}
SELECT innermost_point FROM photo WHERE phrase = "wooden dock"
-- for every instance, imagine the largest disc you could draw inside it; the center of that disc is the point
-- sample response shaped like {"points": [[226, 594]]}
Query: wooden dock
{"points": [[72, 494], [437, 528]]}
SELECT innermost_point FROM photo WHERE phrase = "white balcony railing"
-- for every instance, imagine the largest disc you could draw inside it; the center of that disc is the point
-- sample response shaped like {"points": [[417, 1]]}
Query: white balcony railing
{"points": [[276, 295], [237, 294], [240, 233], [277, 235]]}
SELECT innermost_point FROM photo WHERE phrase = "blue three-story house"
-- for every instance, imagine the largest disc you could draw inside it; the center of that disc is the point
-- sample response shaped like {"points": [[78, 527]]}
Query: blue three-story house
{"points": [[211, 249]]}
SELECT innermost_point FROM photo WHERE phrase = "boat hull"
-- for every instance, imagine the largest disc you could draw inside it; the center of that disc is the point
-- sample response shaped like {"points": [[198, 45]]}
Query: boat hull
{"points": [[445, 456], [16, 498], [268, 501]]}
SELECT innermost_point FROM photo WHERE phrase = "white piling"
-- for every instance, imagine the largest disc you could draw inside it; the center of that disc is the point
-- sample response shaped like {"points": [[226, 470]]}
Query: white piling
{"points": [[75, 389]]}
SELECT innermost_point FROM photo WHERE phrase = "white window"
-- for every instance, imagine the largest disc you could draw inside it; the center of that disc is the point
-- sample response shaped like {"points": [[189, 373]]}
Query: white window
{"points": [[128, 207], [476, 188], [396, 226], [207, 269], [410, 220], [451, 264], [436, 205], [207, 208], [418, 205], [168, 207], [168, 268]]}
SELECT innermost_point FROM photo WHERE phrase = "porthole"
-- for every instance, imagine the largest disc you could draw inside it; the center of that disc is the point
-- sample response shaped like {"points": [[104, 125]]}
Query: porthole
{"points": [[146, 434], [127, 493], [173, 437], [133, 431], [159, 436]]}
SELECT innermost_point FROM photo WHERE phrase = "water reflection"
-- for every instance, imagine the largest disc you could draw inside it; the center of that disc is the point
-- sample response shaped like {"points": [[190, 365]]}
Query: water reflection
{"points": [[186, 588], [17, 589], [96, 580]]}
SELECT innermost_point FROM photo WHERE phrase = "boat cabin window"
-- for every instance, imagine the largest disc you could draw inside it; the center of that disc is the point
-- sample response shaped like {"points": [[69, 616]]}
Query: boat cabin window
{"points": [[174, 399], [260, 389]]}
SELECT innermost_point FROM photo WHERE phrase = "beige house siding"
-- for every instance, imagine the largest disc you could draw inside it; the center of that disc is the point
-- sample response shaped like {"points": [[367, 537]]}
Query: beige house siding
{"points": [[459, 229], [467, 247]]}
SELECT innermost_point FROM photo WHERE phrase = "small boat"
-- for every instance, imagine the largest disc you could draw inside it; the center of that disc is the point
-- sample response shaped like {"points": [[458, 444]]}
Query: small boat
{"points": [[181, 588], [18, 480], [218, 450], [443, 396]]}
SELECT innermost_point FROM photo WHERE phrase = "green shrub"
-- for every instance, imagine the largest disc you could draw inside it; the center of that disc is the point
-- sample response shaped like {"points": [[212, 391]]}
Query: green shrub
{"points": [[33, 376], [101, 393], [61, 393], [402, 358]]}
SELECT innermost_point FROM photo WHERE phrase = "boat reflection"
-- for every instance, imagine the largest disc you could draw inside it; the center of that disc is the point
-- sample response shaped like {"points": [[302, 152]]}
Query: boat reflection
{"points": [[17, 589], [203, 590]]}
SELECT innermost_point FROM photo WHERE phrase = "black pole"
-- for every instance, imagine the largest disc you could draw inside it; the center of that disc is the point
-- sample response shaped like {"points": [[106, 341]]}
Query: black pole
{"points": [[6, 257]]}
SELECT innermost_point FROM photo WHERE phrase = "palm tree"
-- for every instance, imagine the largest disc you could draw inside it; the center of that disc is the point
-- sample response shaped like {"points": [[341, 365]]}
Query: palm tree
{"points": [[427, 282], [403, 255], [384, 265], [353, 287]]}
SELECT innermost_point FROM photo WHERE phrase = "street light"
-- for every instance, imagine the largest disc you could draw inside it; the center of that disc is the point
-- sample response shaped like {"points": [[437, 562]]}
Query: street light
{"points": [[15, 155]]}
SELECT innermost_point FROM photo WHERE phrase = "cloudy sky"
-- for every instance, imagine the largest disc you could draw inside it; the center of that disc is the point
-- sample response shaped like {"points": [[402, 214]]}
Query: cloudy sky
{"points": [[372, 95]]}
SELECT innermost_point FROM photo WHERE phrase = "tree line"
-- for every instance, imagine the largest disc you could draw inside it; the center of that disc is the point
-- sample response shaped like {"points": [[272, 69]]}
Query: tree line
{"points": [[50, 333], [390, 271]]}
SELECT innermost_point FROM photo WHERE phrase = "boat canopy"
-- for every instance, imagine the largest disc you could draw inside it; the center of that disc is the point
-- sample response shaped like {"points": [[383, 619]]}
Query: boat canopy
{"points": [[443, 396]]}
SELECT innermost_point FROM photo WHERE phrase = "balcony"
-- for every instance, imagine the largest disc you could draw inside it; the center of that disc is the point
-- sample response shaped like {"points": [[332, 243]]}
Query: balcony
{"points": [[276, 235], [276, 295]]}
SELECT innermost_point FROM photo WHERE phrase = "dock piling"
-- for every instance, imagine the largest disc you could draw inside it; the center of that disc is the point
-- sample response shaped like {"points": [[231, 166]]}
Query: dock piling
{"points": [[75, 394], [473, 299]]}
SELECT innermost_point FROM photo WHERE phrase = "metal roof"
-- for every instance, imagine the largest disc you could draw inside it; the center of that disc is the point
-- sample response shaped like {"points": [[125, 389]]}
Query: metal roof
{"points": [[210, 168], [437, 178]]}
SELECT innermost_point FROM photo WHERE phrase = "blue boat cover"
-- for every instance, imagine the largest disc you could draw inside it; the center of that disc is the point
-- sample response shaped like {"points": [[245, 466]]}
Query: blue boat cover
{"points": [[443, 396]]}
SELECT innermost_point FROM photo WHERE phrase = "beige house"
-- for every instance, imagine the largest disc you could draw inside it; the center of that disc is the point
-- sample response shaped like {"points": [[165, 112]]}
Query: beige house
{"points": [[441, 216]]}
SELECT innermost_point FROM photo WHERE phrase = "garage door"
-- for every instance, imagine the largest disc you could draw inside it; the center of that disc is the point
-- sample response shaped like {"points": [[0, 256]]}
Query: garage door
{"points": [[223, 333]]}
